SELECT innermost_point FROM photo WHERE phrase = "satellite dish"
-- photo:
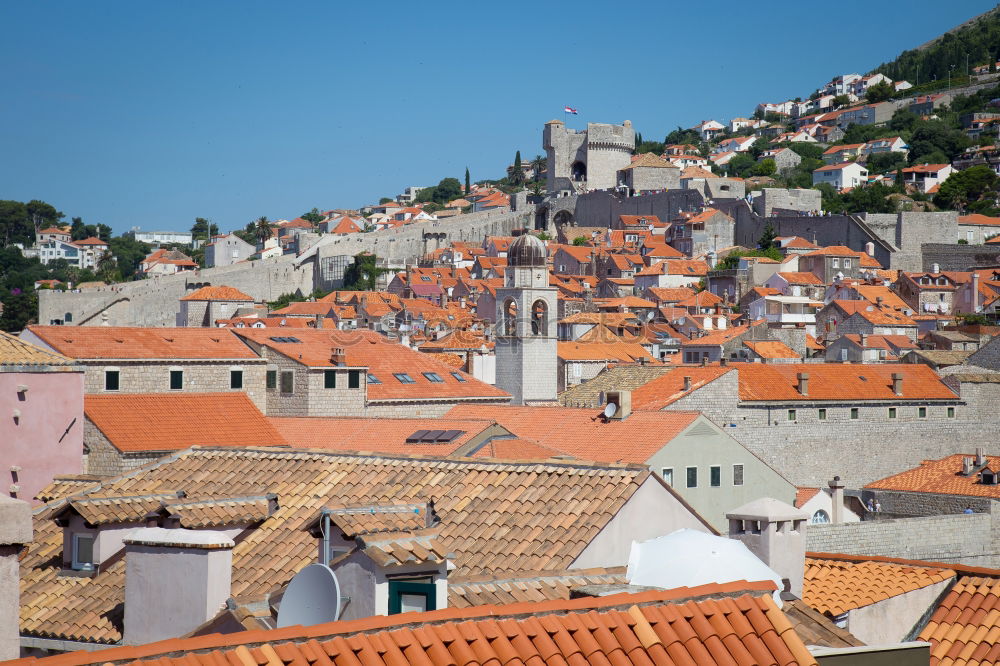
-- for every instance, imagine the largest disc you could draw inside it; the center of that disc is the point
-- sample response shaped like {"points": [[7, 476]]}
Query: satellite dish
{"points": [[610, 409], [313, 597]]}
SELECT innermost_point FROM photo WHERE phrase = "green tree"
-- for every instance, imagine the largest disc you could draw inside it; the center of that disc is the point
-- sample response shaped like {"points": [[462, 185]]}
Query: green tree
{"points": [[263, 230], [732, 260], [766, 240], [467, 184], [15, 224], [517, 175], [879, 92], [935, 136], [363, 273], [841, 100], [78, 230], [965, 189], [538, 165], [804, 150], [765, 167], [20, 308], [885, 162], [201, 229], [903, 120], [313, 216], [580, 240], [42, 214], [128, 253], [384, 200]]}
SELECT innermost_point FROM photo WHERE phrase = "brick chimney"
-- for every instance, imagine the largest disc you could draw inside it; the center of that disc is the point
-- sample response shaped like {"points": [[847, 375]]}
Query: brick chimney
{"points": [[15, 531], [319, 321], [897, 383], [175, 580], [687, 383], [803, 384]]}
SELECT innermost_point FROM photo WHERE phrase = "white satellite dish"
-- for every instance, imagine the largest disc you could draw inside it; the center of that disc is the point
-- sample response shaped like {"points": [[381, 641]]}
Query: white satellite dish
{"points": [[610, 409], [313, 597]]}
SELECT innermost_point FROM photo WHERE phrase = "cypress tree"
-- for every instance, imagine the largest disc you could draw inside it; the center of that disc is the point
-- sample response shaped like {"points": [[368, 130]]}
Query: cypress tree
{"points": [[467, 180]]}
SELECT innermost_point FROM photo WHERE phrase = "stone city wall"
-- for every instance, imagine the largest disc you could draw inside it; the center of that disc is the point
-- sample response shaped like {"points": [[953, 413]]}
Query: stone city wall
{"points": [[953, 257], [963, 538]]}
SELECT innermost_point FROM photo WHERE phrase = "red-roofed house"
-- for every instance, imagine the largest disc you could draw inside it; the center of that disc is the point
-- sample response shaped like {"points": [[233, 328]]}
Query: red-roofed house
{"points": [[204, 306], [841, 176], [926, 177]]}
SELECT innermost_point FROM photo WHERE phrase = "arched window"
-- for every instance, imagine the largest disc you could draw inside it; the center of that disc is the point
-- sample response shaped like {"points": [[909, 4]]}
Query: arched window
{"points": [[539, 318], [510, 317], [820, 517], [578, 171], [68, 317]]}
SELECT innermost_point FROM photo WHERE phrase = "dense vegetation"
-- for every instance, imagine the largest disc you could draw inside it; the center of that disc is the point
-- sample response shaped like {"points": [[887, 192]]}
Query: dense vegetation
{"points": [[969, 46]]}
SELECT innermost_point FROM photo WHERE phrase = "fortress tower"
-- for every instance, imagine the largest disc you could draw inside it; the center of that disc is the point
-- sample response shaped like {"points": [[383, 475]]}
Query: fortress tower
{"points": [[526, 325], [586, 159]]}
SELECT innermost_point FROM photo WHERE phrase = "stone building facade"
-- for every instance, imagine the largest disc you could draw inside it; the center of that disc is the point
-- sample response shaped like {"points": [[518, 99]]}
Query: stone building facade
{"points": [[295, 389], [821, 439], [101, 458]]}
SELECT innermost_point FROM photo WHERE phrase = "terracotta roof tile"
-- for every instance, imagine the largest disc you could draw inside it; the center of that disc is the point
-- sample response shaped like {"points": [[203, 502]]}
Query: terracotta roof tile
{"points": [[378, 435], [965, 623], [382, 358], [799, 277], [17, 352], [114, 342], [618, 378], [941, 476], [666, 389], [221, 293], [515, 449], [571, 498], [771, 349], [834, 587], [835, 381], [170, 421], [581, 433], [683, 626]]}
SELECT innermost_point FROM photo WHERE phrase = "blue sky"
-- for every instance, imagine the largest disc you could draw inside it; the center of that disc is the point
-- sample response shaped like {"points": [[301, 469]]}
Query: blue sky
{"points": [[152, 114]]}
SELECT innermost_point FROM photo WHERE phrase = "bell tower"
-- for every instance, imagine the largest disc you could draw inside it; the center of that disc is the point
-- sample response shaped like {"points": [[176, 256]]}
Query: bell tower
{"points": [[526, 325]]}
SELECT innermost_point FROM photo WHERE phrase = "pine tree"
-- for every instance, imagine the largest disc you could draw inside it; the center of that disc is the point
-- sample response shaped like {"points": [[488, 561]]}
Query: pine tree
{"points": [[517, 177], [467, 187]]}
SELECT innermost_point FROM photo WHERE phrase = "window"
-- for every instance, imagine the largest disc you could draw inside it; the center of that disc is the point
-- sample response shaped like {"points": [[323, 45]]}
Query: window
{"points": [[892, 412], [329, 379], [951, 412], [715, 476], [835, 262], [433, 377], [112, 380], [404, 378], [354, 379], [854, 413], [83, 552], [847, 263], [235, 379], [820, 517], [407, 596], [372, 379], [271, 379], [287, 381], [458, 376], [176, 380], [791, 414], [692, 477], [822, 414], [737, 475], [922, 412], [668, 475]]}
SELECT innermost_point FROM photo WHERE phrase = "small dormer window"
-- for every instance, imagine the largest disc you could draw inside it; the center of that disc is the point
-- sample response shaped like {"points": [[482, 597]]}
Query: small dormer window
{"points": [[83, 552], [433, 377], [458, 376], [404, 378]]}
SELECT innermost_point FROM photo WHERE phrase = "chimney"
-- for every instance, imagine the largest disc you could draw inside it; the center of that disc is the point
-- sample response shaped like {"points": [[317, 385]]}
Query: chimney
{"points": [[338, 358], [864, 339], [897, 383], [967, 466], [980, 456], [319, 321], [175, 580], [723, 361], [803, 385], [935, 268], [623, 401], [687, 383], [837, 495], [15, 531], [704, 361], [975, 293], [776, 533], [878, 301]]}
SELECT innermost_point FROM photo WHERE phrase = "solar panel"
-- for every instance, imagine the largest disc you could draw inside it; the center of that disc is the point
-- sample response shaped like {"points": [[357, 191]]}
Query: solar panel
{"points": [[432, 435], [449, 435], [418, 436]]}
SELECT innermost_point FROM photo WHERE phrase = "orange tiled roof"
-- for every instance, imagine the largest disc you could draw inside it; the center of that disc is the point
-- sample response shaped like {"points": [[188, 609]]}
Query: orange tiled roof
{"points": [[803, 495], [800, 277], [979, 219], [579, 432], [221, 293], [379, 435], [941, 476], [670, 294], [172, 421], [964, 627], [667, 388], [484, 529], [836, 381], [119, 342], [771, 349], [834, 587], [717, 337], [382, 358], [700, 299], [515, 449], [883, 316], [720, 624], [15, 351]]}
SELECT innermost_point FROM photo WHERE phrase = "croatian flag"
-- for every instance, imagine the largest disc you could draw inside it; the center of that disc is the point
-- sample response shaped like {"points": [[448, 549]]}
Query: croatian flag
{"points": [[568, 109]]}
